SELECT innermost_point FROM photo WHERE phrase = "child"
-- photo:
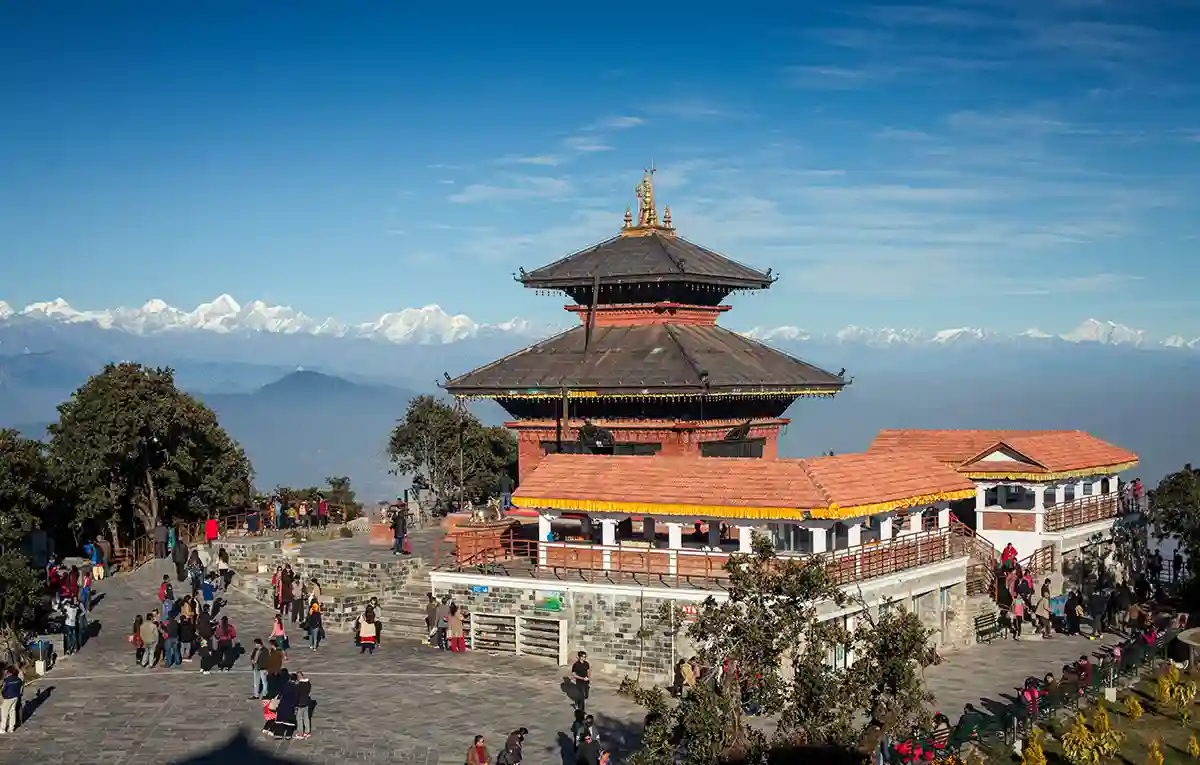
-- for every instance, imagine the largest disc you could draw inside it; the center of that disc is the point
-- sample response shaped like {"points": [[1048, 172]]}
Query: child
{"points": [[208, 590], [1018, 616]]}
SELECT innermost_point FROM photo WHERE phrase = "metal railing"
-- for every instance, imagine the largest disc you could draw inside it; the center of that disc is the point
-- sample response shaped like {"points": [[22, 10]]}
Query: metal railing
{"points": [[1084, 510], [504, 554]]}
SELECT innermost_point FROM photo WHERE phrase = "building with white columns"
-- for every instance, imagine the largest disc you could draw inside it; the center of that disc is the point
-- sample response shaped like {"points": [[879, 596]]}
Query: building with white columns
{"points": [[1033, 488]]}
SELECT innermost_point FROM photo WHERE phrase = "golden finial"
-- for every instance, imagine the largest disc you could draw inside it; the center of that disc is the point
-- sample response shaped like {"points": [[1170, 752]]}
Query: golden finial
{"points": [[667, 216], [628, 218], [647, 214]]}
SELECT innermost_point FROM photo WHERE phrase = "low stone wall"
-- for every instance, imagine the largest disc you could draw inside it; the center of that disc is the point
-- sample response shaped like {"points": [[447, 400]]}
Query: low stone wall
{"points": [[351, 577], [620, 627], [248, 552]]}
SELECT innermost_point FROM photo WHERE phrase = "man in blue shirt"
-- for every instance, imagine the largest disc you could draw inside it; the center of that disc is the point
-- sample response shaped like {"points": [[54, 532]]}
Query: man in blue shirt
{"points": [[10, 700]]}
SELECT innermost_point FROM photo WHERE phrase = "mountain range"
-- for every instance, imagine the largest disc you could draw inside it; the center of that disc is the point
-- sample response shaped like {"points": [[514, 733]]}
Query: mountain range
{"points": [[307, 404], [432, 325]]}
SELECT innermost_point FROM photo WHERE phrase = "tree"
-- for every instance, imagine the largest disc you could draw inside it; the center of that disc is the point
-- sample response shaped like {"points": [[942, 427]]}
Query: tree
{"points": [[132, 450], [1174, 509], [771, 633], [340, 494], [438, 445], [26, 496], [26, 489]]}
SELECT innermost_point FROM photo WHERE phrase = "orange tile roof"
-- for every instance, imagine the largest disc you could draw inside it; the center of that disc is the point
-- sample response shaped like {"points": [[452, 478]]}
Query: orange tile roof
{"points": [[950, 446], [1064, 452], [826, 487], [1058, 452]]}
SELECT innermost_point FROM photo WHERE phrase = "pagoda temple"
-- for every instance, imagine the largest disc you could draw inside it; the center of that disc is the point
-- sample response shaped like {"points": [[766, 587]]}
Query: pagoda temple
{"points": [[648, 371]]}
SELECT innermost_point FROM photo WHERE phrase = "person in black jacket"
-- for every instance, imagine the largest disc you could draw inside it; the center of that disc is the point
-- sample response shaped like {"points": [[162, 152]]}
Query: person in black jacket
{"points": [[303, 701], [511, 754]]}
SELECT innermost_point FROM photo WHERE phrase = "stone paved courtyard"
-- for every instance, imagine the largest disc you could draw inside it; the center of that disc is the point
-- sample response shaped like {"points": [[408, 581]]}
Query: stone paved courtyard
{"points": [[406, 704]]}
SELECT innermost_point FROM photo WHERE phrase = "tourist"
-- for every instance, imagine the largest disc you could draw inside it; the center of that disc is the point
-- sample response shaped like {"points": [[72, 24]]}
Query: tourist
{"points": [[511, 754], [314, 590], [195, 571], [687, 671], [277, 586], [208, 590], [1156, 566], [274, 670], [314, 626], [455, 634], [365, 632], [1097, 608], [85, 591], [477, 754], [161, 538], [224, 635], [135, 639], [581, 673], [166, 596], [151, 638], [431, 618], [1176, 566], [187, 632], [298, 601], [589, 752], [258, 669], [442, 621], [1008, 557], [399, 532], [1045, 620], [223, 568], [278, 634], [10, 700], [179, 556], [70, 630], [323, 512], [374, 606], [170, 630], [303, 701], [578, 729]]}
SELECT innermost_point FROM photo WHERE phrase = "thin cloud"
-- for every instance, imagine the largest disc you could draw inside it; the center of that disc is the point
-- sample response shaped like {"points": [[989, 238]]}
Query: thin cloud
{"points": [[586, 144], [619, 123], [688, 109], [541, 160], [836, 77], [1089, 284], [518, 188]]}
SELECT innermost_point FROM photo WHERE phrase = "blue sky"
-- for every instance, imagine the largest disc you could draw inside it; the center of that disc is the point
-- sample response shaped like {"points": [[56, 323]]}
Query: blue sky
{"points": [[1002, 164]]}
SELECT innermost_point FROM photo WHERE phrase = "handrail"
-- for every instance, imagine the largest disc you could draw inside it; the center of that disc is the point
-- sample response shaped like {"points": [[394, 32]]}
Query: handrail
{"points": [[981, 571], [1083, 510], [478, 549]]}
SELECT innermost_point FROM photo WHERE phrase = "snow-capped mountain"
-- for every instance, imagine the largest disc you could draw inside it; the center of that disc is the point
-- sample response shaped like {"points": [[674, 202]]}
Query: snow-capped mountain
{"points": [[428, 325], [431, 325]]}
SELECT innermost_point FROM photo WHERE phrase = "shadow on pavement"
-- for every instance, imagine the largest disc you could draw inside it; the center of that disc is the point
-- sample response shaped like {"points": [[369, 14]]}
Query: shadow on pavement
{"points": [[239, 750]]}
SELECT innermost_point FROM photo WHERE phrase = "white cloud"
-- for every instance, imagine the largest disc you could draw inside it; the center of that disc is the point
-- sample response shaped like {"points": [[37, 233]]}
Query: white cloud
{"points": [[837, 77], [619, 123], [586, 144], [542, 160], [518, 187]]}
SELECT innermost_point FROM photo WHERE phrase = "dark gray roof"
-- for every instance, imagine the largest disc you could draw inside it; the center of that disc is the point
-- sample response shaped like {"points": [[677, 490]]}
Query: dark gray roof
{"points": [[659, 357], [653, 257]]}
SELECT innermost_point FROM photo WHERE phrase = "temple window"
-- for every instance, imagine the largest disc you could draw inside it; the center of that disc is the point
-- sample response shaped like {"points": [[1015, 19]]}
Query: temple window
{"points": [[574, 447], [750, 447]]}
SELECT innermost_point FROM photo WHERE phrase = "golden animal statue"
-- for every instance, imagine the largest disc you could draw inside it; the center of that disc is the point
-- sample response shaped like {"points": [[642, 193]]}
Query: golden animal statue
{"points": [[489, 513]]}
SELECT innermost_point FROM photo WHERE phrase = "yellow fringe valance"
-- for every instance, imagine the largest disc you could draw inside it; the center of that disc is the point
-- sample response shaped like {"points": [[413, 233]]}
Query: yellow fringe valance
{"points": [[797, 392], [1084, 473], [832, 512], [836, 513]]}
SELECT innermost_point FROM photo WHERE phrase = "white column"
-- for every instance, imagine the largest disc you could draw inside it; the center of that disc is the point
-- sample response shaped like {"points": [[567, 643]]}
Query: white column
{"points": [[608, 538], [1097, 485], [912, 523], [980, 496], [1114, 484], [1079, 489], [853, 534], [544, 522], [820, 539], [885, 529], [944, 518], [745, 539], [1060, 494], [674, 545], [1039, 495]]}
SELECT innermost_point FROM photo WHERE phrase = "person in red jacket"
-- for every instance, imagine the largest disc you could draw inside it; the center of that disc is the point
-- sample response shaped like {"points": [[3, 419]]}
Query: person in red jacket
{"points": [[323, 512], [212, 530], [225, 635]]}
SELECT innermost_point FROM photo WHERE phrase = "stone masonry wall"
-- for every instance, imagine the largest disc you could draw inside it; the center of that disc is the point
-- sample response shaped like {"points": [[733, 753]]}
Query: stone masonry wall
{"points": [[247, 552], [606, 625]]}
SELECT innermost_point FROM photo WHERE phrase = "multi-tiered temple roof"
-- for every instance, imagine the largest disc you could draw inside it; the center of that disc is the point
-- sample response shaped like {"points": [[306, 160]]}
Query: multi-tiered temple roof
{"points": [[648, 303]]}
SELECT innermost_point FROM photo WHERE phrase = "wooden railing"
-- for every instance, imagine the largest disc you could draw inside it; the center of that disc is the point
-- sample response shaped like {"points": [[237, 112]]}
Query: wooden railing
{"points": [[981, 570], [506, 555], [1041, 562], [1084, 510]]}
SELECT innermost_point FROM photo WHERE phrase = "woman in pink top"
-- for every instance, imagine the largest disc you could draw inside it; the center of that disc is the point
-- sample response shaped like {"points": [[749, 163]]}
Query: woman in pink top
{"points": [[278, 635]]}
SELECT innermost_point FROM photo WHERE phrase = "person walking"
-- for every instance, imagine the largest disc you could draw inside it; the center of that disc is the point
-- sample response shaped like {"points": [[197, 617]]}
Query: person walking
{"points": [[431, 618], [170, 631], [224, 569], [455, 634], [135, 639], [314, 626], [303, 703], [581, 673], [10, 700], [364, 632], [225, 634], [477, 754], [258, 669], [70, 627], [166, 596], [148, 629], [399, 531]]}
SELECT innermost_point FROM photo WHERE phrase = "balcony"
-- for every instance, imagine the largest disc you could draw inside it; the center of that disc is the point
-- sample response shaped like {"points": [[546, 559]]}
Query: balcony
{"points": [[642, 565], [1085, 510]]}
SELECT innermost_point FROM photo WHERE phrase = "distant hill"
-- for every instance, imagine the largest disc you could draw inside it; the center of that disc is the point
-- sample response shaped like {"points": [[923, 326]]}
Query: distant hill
{"points": [[305, 426]]}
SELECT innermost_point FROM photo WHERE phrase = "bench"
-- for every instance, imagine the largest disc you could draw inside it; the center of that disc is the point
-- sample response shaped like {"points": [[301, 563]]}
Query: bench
{"points": [[987, 628]]}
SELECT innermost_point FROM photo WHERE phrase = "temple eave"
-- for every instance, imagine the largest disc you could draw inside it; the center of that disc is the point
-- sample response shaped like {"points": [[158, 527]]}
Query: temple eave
{"points": [[643, 393]]}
